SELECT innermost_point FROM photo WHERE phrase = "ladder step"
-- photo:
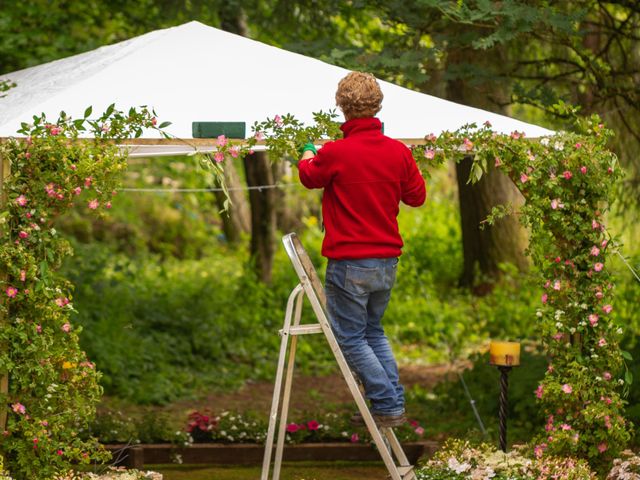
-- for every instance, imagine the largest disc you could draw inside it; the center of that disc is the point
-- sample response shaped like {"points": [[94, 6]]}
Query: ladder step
{"points": [[405, 470], [304, 329]]}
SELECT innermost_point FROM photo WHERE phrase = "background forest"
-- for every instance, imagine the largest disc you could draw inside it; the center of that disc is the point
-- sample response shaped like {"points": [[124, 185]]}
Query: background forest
{"points": [[168, 293]]}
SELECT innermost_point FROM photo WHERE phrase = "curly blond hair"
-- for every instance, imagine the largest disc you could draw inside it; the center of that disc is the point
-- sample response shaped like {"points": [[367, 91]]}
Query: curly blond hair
{"points": [[359, 95]]}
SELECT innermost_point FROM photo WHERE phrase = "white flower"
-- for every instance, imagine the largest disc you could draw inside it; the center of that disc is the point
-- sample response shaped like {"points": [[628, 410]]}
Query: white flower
{"points": [[558, 146], [457, 466], [544, 141]]}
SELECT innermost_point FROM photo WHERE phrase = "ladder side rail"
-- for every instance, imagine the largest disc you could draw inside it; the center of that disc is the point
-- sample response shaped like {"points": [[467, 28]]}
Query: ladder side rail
{"points": [[287, 391], [396, 447], [294, 297]]}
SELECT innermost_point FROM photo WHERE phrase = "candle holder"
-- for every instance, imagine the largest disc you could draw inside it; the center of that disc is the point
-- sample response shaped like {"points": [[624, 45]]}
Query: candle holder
{"points": [[505, 356]]}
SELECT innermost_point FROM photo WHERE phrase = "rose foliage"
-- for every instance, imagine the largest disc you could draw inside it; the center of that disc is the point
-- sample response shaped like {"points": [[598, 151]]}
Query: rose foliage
{"points": [[53, 386], [566, 180]]}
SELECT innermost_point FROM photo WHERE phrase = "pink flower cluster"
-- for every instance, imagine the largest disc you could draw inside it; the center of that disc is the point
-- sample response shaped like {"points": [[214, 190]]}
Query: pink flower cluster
{"points": [[311, 425]]}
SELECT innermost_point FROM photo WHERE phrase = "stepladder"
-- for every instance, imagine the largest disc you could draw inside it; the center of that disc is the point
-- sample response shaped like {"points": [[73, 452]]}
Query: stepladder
{"points": [[310, 287]]}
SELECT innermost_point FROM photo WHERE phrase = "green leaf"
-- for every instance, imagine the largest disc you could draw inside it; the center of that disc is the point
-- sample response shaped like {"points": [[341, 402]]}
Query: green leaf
{"points": [[626, 355], [628, 377], [88, 111], [164, 124]]}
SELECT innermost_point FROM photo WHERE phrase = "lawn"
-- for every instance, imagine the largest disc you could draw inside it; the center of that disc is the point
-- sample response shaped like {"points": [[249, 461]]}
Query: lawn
{"points": [[290, 471]]}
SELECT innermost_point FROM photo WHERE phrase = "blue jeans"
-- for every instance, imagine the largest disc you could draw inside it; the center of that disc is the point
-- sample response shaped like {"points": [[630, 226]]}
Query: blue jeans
{"points": [[358, 293]]}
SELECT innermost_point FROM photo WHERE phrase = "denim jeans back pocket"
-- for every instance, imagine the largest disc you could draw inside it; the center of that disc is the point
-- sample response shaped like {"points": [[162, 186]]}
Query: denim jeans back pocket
{"points": [[364, 280]]}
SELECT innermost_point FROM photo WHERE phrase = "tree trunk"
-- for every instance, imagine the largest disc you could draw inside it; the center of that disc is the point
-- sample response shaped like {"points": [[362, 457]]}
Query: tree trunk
{"points": [[263, 213], [236, 219], [484, 249]]}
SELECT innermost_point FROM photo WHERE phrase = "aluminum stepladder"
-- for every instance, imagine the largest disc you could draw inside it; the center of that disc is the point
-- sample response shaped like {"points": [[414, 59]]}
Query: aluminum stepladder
{"points": [[310, 286]]}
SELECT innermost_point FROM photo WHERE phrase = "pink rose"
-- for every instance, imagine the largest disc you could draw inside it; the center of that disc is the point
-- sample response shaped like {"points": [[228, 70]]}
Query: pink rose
{"points": [[93, 204], [567, 174], [234, 151], [77, 191], [18, 408], [21, 200], [292, 428], [11, 291], [594, 225], [545, 298], [55, 130], [62, 301], [607, 377], [583, 170], [66, 328], [598, 267], [604, 243], [23, 234], [259, 136], [565, 427], [59, 452], [524, 178], [607, 309], [23, 275], [578, 145], [222, 141], [468, 144], [429, 154], [218, 157], [497, 162], [419, 431], [557, 285], [595, 251], [73, 167], [278, 120], [87, 182], [602, 447], [312, 425], [39, 328], [539, 391], [154, 121], [599, 295], [566, 388], [602, 342], [108, 205], [354, 438], [593, 319]]}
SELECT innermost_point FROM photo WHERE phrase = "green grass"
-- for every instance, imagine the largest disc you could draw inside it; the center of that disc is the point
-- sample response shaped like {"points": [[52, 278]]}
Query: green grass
{"points": [[290, 471]]}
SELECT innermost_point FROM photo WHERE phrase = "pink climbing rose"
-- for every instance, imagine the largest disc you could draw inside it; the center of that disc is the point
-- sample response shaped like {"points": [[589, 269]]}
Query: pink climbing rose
{"points": [[355, 438], [567, 175], [566, 388], [607, 309], [583, 170], [218, 157], [11, 291], [524, 177], [18, 408], [93, 204], [21, 200], [539, 391], [598, 266], [429, 154], [595, 251], [602, 342], [66, 328], [278, 120], [293, 427], [313, 425], [593, 319], [222, 140], [602, 447]]}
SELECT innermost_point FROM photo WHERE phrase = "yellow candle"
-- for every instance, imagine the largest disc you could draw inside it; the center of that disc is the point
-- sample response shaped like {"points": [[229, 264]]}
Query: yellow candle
{"points": [[504, 354]]}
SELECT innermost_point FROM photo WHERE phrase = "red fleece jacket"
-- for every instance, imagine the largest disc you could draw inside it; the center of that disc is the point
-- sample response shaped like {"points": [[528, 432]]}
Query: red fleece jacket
{"points": [[365, 175]]}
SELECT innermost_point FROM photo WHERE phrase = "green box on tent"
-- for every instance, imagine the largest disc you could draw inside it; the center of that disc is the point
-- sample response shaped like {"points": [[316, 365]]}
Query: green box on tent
{"points": [[215, 129]]}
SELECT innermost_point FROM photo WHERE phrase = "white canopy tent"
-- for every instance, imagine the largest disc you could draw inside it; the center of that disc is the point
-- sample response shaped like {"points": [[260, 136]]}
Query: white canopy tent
{"points": [[194, 72]]}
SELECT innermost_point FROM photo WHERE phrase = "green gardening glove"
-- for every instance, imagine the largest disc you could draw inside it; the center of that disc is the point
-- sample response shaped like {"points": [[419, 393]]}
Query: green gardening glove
{"points": [[307, 147]]}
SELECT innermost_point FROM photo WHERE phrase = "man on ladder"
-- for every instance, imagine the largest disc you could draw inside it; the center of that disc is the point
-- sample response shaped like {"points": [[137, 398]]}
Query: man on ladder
{"points": [[365, 176]]}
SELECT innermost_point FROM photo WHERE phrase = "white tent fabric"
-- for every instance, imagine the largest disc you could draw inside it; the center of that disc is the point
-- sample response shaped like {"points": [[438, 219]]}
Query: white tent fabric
{"points": [[194, 72]]}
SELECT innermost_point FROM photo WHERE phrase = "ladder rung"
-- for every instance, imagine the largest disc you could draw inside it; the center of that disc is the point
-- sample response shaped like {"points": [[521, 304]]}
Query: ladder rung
{"points": [[404, 470], [305, 329]]}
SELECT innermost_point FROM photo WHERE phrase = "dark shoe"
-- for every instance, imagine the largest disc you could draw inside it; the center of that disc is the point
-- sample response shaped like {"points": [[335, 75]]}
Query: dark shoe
{"points": [[381, 420]]}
